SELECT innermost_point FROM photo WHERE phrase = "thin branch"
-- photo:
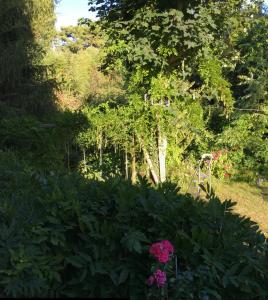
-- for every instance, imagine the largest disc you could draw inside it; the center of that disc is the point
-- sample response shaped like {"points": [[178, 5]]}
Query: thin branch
{"points": [[251, 109]]}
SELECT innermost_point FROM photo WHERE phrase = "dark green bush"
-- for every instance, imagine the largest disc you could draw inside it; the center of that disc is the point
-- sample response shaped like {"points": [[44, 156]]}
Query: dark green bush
{"points": [[61, 235], [47, 144]]}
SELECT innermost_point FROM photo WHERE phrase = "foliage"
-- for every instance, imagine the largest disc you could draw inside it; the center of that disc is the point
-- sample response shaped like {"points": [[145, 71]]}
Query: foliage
{"points": [[74, 65], [64, 236], [76, 38], [26, 30], [191, 75], [252, 71], [245, 138], [44, 145], [181, 62], [222, 164]]}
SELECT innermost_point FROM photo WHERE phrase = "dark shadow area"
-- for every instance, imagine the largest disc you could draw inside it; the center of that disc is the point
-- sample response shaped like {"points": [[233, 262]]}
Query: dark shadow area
{"points": [[23, 82], [72, 237], [31, 125]]}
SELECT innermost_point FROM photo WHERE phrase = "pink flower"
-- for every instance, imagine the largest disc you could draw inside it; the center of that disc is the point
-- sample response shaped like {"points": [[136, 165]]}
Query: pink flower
{"points": [[163, 257], [160, 278], [155, 249], [161, 250], [168, 246], [150, 280]]}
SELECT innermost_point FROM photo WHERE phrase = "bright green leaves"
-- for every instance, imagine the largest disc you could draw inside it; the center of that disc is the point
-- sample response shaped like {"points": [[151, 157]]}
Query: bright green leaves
{"points": [[247, 142], [215, 85], [159, 40], [77, 38], [180, 67]]}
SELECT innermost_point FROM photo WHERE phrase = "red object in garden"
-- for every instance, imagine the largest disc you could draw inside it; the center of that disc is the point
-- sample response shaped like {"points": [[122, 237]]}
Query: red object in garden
{"points": [[161, 250], [168, 246]]}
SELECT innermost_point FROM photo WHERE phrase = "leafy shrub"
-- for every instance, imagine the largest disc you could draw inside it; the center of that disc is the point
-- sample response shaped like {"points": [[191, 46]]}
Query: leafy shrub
{"points": [[222, 165], [46, 145], [62, 235], [248, 146]]}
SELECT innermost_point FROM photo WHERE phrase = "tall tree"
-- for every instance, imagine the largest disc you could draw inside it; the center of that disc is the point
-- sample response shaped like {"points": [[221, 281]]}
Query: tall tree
{"points": [[86, 34], [176, 56], [26, 32]]}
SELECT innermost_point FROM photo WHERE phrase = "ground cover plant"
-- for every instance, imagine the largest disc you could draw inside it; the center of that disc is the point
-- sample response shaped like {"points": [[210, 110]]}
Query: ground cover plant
{"points": [[62, 235]]}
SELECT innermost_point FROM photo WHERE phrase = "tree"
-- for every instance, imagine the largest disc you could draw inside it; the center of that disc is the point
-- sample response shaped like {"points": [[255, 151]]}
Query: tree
{"points": [[125, 10], [74, 64], [171, 53], [76, 38], [246, 134], [26, 32]]}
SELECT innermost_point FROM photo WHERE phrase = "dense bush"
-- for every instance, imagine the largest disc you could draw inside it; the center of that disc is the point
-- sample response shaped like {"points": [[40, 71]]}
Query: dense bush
{"points": [[62, 235], [46, 144]]}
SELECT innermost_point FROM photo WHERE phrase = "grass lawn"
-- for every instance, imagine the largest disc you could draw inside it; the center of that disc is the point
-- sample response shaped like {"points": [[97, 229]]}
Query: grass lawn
{"points": [[252, 201]]}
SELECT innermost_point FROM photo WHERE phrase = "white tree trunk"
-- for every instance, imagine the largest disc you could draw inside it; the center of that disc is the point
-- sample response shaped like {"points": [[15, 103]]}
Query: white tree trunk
{"points": [[126, 165], [162, 153]]}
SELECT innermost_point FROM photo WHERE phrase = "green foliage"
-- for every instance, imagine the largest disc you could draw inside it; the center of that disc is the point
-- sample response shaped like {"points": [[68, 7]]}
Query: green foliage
{"points": [[42, 144], [192, 62], [246, 140], [63, 236], [76, 38], [26, 31], [252, 71], [171, 69], [215, 85], [77, 74]]}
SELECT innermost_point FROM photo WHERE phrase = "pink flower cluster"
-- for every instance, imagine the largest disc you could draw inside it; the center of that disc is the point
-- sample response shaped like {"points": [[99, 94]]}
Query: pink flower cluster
{"points": [[159, 278], [161, 250]]}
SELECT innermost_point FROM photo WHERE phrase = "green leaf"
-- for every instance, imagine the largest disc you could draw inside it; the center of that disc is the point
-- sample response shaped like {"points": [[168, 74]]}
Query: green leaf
{"points": [[75, 260], [133, 241], [123, 276]]}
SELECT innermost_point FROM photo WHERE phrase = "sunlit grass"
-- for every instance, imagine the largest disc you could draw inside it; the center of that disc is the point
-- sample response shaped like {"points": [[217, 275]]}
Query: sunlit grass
{"points": [[252, 200]]}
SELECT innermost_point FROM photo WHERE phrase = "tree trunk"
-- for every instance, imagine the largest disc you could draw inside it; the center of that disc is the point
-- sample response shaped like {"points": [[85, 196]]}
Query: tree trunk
{"points": [[149, 162], [101, 154], [84, 158], [126, 164], [133, 165], [162, 153], [151, 166]]}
